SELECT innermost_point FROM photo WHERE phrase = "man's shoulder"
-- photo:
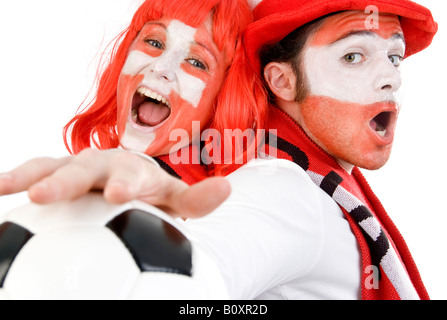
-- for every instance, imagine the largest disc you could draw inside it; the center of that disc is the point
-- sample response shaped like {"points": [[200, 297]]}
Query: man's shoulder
{"points": [[275, 179], [268, 168]]}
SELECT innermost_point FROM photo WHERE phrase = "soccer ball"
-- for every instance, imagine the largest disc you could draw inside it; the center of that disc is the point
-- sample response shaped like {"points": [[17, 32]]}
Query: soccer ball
{"points": [[91, 249]]}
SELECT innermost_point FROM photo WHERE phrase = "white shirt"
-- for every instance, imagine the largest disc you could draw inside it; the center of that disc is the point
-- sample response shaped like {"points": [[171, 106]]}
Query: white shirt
{"points": [[279, 236]]}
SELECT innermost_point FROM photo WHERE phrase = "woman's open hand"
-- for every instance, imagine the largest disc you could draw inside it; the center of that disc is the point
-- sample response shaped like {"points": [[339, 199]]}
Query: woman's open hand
{"points": [[123, 176]]}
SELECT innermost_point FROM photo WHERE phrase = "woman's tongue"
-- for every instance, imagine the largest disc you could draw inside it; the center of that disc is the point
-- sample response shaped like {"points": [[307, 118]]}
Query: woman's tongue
{"points": [[152, 114]]}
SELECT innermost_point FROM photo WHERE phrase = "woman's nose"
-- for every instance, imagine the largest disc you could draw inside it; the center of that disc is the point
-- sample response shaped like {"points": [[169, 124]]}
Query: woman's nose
{"points": [[163, 68]]}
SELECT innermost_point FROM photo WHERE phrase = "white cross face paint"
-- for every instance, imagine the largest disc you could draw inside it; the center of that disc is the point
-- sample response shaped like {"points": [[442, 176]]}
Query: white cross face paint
{"points": [[353, 76], [191, 95], [363, 78], [168, 65], [170, 79]]}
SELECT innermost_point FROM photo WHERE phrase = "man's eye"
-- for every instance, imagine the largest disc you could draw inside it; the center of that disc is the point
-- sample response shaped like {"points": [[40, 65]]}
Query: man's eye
{"points": [[154, 43], [396, 60], [197, 64], [353, 58]]}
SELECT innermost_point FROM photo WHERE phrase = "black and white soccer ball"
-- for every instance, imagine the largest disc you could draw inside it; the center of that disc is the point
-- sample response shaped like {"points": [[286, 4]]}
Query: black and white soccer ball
{"points": [[91, 249]]}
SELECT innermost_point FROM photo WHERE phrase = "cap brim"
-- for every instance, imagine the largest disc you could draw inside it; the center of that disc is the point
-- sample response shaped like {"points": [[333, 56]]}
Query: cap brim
{"points": [[275, 20]]}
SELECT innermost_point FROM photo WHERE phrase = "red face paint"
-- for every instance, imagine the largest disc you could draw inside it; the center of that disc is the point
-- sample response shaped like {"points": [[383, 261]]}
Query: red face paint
{"points": [[352, 110], [349, 131]]}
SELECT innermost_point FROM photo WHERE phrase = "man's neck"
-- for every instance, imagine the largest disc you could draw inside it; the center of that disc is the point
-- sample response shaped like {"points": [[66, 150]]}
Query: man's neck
{"points": [[346, 166]]}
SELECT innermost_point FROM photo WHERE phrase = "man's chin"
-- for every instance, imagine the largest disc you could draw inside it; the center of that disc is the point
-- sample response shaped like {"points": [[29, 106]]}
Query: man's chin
{"points": [[369, 160], [374, 163]]}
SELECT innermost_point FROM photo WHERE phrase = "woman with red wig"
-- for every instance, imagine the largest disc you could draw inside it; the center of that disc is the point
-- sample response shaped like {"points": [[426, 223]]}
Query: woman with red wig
{"points": [[164, 75]]}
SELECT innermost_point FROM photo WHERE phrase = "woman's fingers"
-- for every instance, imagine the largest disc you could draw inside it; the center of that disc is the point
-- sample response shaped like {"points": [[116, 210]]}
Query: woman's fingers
{"points": [[78, 176], [29, 173], [128, 176], [134, 178]]}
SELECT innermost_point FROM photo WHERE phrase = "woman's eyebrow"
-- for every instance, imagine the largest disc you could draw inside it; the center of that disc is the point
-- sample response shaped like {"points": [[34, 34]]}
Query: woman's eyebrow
{"points": [[157, 24], [207, 48]]}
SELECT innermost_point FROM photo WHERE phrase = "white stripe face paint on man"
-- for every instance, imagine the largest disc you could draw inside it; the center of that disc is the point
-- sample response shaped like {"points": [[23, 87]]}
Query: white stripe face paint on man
{"points": [[353, 76], [171, 76]]}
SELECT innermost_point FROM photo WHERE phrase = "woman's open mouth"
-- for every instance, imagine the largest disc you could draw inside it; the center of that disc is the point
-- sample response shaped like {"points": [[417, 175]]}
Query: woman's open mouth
{"points": [[149, 109]]}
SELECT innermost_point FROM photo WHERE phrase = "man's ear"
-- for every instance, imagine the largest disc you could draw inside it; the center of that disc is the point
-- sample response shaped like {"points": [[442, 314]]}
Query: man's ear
{"points": [[281, 80]]}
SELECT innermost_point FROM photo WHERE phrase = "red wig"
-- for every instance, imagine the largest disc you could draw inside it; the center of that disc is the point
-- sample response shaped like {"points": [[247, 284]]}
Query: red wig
{"points": [[243, 104], [95, 124]]}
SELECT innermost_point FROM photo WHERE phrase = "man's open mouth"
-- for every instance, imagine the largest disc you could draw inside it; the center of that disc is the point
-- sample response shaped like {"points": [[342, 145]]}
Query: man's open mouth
{"points": [[149, 108], [381, 123]]}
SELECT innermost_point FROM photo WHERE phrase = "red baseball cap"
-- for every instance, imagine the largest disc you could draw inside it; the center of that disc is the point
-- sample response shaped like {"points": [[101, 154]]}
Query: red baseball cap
{"points": [[275, 19]]}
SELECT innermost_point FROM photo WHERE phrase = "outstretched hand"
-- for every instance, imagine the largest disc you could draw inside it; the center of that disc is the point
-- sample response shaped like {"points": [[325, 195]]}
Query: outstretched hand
{"points": [[123, 176]]}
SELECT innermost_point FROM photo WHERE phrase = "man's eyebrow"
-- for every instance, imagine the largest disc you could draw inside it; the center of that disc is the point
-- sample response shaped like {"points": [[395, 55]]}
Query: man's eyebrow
{"points": [[399, 36], [366, 33]]}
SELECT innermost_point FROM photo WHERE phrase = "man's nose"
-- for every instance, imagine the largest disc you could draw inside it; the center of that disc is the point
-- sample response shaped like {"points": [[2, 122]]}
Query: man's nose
{"points": [[388, 77]]}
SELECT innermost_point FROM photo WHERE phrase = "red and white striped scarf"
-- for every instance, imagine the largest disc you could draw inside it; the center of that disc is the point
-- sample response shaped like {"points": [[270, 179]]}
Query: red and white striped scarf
{"points": [[382, 246]]}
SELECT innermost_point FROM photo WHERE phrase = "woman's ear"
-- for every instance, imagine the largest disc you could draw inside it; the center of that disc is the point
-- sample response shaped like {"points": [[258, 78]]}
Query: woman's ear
{"points": [[281, 80]]}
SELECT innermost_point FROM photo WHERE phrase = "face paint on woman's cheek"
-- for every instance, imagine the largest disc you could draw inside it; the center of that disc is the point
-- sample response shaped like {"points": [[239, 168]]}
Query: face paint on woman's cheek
{"points": [[136, 62], [348, 131], [190, 87], [126, 90]]}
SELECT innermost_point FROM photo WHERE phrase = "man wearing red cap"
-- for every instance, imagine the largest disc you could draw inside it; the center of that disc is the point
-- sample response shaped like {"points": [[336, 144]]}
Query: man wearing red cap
{"points": [[331, 70]]}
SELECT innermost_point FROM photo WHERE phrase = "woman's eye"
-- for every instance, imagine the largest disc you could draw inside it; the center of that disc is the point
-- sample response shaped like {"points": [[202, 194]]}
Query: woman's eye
{"points": [[154, 43], [353, 58], [197, 64], [396, 60]]}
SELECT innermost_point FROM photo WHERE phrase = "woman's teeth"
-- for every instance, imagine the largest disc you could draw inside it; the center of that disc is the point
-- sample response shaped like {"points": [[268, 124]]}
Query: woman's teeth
{"points": [[153, 95]]}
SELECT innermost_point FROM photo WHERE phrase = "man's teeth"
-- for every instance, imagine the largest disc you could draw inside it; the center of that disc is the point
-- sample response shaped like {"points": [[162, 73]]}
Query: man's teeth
{"points": [[153, 95], [381, 130]]}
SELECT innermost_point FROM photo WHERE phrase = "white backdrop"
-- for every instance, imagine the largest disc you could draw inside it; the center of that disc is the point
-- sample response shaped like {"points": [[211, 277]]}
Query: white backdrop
{"points": [[49, 50]]}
